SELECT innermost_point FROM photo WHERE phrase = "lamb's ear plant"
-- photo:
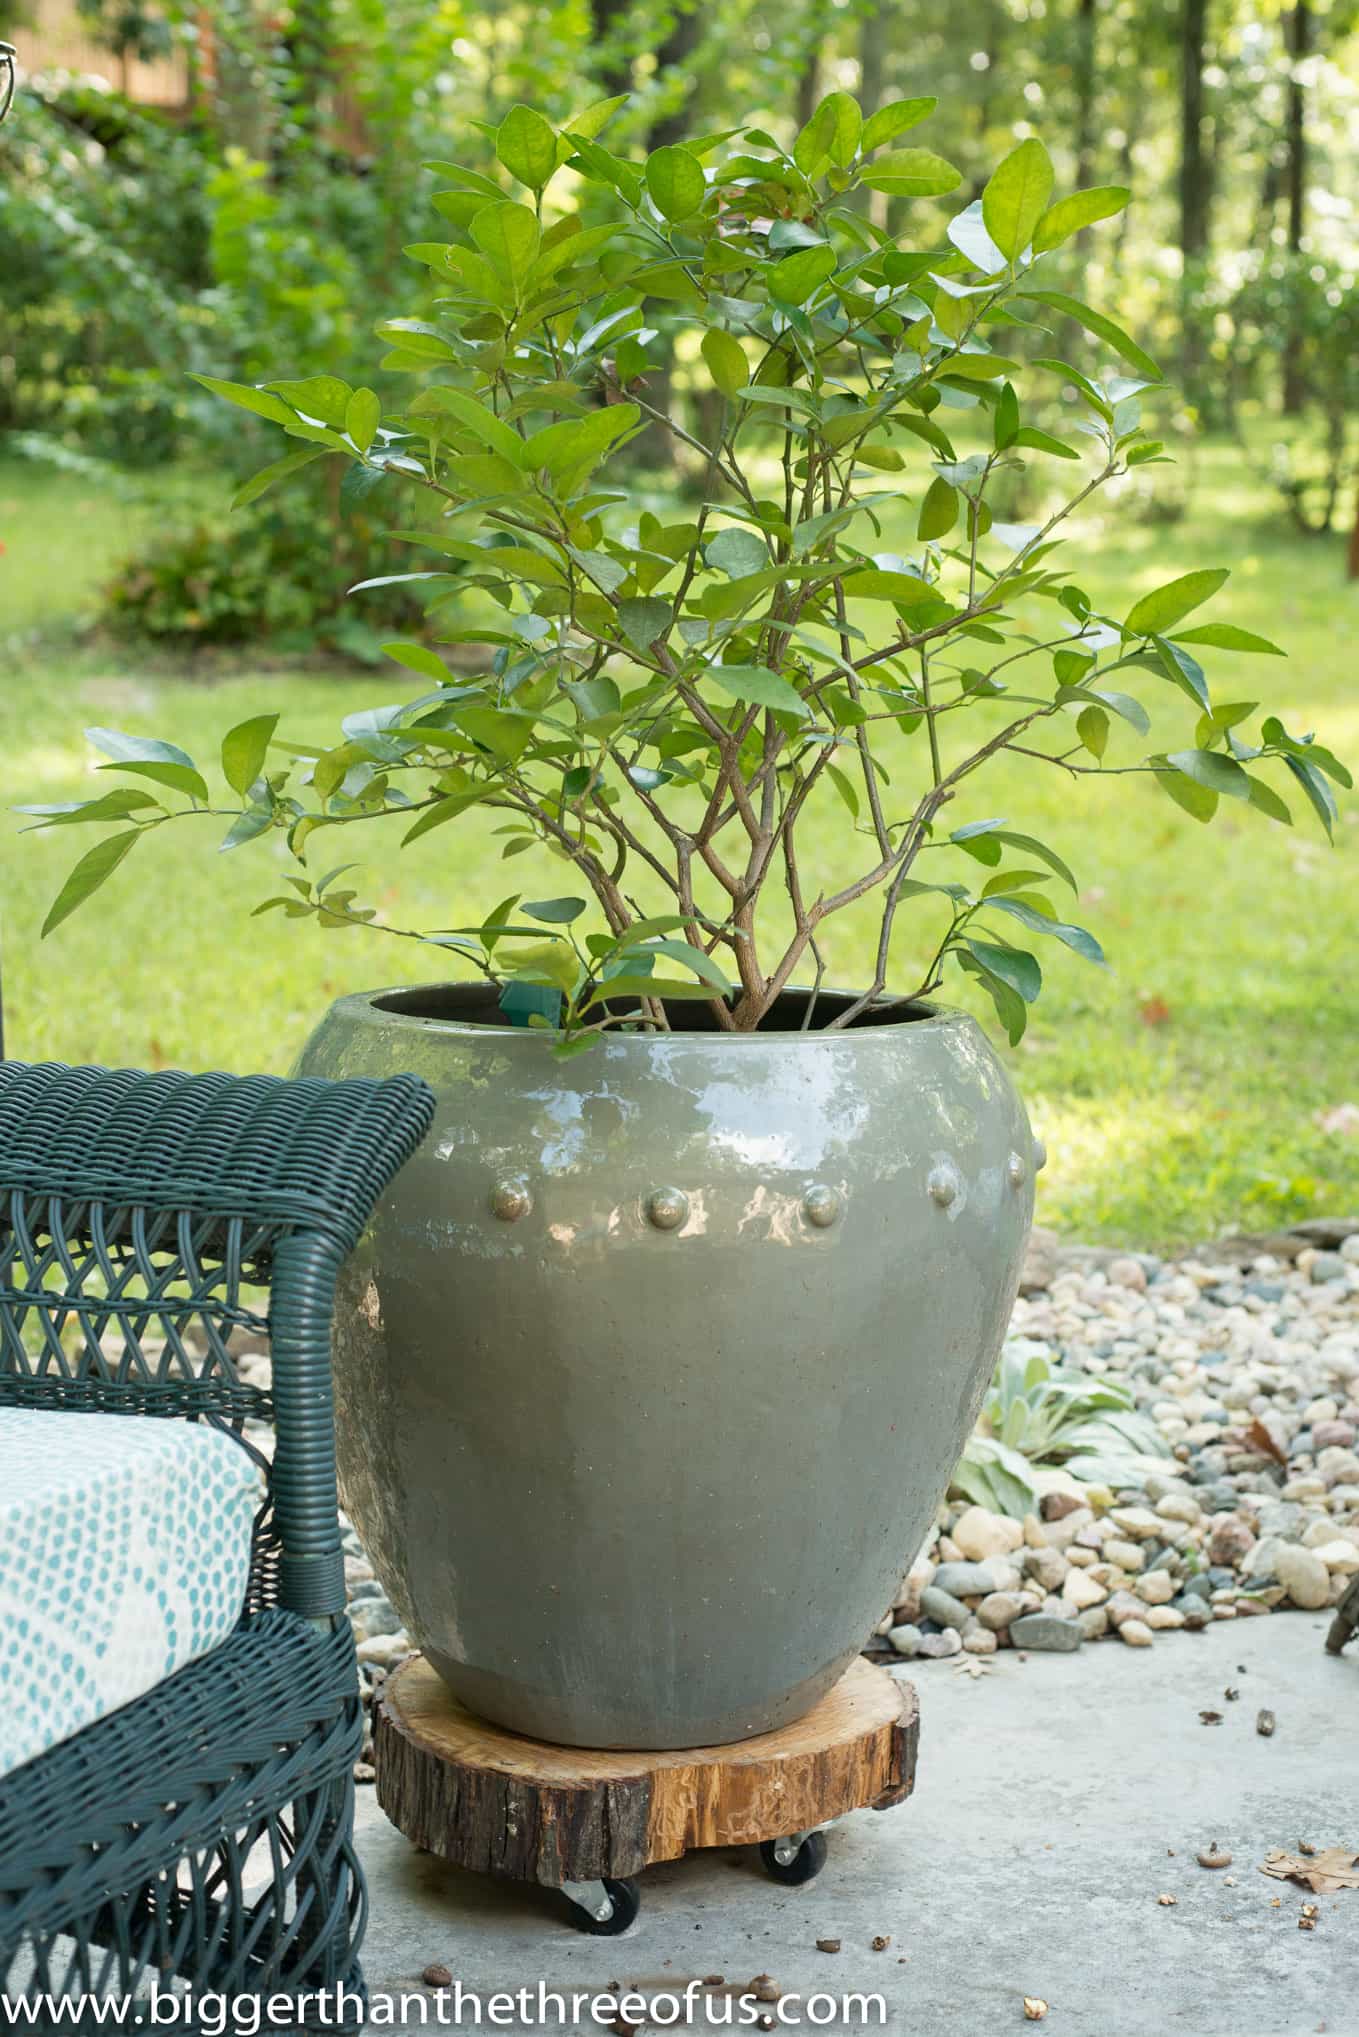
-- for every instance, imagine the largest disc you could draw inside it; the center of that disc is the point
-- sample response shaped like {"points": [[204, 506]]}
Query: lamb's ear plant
{"points": [[671, 703]]}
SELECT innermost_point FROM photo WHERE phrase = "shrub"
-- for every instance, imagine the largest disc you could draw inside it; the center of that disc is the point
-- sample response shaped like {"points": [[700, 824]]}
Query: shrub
{"points": [[666, 702]]}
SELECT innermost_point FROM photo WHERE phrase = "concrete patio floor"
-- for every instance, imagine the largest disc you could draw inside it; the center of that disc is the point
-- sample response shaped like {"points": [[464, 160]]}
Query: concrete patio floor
{"points": [[1056, 1800]]}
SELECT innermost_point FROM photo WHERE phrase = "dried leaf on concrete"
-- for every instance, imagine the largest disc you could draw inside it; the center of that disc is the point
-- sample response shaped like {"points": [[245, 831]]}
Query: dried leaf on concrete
{"points": [[1337, 1867]]}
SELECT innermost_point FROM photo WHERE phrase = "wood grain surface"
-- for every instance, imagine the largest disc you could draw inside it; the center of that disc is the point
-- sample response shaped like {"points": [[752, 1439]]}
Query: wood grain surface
{"points": [[496, 1802]]}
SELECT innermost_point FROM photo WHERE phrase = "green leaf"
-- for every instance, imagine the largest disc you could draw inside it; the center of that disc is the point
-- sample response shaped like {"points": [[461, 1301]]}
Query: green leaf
{"points": [[939, 510], [119, 803], [1211, 769], [1319, 794], [244, 749], [1075, 938], [1016, 197], [1124, 705], [278, 470], [1005, 423], [509, 237], [1011, 1008], [876, 583], [682, 952], [1082, 208], [125, 749], [527, 145], [416, 336], [890, 121], [443, 810], [1156, 613], [1043, 442], [179, 777], [643, 621], [1014, 966], [675, 180], [246, 398], [794, 279], [322, 399], [245, 828], [594, 697], [90, 872], [846, 789], [758, 686], [678, 987], [726, 360], [1225, 636], [361, 418], [912, 173], [1267, 801], [831, 136], [1029, 845], [418, 658], [475, 416], [1103, 328], [1198, 800], [1092, 726], [556, 912], [736, 551]]}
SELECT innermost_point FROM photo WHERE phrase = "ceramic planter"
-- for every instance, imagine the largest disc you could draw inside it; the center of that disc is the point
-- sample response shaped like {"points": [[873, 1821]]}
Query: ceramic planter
{"points": [[656, 1360]]}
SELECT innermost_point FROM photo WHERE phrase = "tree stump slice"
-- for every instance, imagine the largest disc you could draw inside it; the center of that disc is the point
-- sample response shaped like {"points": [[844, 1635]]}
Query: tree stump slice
{"points": [[502, 1804]]}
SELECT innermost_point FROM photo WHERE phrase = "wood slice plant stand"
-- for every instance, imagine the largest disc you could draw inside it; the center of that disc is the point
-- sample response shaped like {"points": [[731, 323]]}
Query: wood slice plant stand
{"points": [[586, 1822]]}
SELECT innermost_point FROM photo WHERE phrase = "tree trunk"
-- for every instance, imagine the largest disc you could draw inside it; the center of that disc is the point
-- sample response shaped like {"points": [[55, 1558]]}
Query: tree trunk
{"points": [[613, 57], [674, 54], [1194, 181], [809, 70], [1298, 39], [1085, 75], [873, 43]]}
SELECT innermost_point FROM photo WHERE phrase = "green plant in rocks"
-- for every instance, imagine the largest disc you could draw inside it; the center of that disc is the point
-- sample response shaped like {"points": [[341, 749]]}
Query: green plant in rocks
{"points": [[671, 704], [1036, 1414]]}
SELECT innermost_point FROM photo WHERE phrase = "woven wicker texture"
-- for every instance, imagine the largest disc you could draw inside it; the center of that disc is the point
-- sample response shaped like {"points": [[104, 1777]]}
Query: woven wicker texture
{"points": [[157, 1233], [280, 1152]]}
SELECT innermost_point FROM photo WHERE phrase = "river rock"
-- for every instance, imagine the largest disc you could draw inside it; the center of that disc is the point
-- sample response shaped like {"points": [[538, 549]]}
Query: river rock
{"points": [[938, 1647], [1046, 1634], [1081, 1591], [1303, 1576], [1000, 1608], [979, 1533], [943, 1608]]}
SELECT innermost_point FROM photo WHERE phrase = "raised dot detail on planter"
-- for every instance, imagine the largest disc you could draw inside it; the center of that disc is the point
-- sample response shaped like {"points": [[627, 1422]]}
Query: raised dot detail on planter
{"points": [[1016, 1170], [943, 1185], [667, 1208], [821, 1205], [510, 1200], [1040, 1156]]}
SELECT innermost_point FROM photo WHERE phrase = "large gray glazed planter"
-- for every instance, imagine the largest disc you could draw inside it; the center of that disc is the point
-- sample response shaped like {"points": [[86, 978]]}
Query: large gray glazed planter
{"points": [[655, 1362]]}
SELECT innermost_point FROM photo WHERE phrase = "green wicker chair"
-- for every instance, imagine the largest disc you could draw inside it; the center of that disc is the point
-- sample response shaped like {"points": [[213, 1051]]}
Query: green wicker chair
{"points": [[143, 1219]]}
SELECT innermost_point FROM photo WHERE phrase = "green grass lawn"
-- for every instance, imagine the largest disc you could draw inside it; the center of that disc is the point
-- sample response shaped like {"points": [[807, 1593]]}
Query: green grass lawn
{"points": [[1179, 1091]]}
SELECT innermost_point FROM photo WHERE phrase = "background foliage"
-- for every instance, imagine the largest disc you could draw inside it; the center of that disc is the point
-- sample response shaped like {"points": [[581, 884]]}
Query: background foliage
{"points": [[1204, 1078]]}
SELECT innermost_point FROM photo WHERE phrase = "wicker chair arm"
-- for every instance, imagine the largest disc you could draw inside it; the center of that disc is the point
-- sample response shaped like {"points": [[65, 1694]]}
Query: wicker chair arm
{"points": [[297, 1154], [294, 1167]]}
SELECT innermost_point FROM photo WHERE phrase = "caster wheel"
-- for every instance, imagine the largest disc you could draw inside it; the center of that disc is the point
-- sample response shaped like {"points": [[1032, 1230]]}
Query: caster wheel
{"points": [[808, 1861], [625, 1899]]}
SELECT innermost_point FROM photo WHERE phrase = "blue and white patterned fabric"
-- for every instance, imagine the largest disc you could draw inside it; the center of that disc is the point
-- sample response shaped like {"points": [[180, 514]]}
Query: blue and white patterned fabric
{"points": [[124, 1555]]}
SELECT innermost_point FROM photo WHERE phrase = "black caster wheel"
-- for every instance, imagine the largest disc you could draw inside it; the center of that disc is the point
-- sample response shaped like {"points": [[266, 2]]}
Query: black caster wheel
{"points": [[625, 1900], [807, 1862]]}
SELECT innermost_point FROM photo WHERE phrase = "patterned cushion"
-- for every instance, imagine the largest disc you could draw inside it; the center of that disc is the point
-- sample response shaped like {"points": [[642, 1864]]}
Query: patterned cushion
{"points": [[124, 1554]]}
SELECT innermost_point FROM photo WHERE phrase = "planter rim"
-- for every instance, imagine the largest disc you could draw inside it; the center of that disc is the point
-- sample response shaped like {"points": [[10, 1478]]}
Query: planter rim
{"points": [[388, 1008]]}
